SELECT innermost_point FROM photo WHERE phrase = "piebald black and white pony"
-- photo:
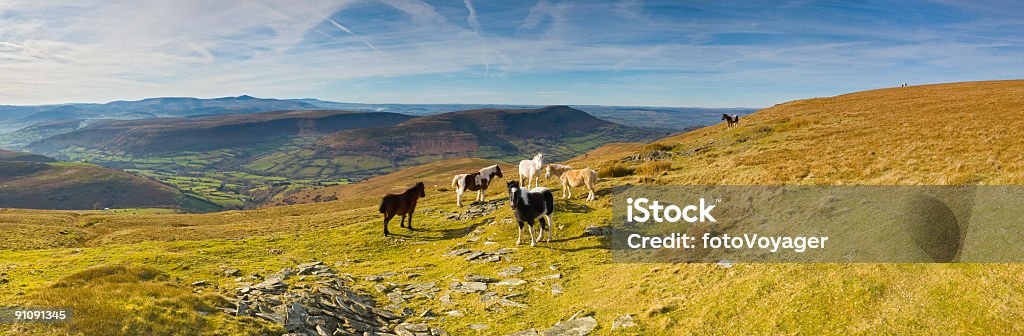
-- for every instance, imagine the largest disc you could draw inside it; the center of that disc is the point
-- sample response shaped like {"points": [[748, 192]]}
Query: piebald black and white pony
{"points": [[732, 119], [529, 206], [477, 181]]}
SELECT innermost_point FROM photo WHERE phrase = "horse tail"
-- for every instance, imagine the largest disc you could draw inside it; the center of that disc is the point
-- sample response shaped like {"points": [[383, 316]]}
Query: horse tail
{"points": [[383, 202], [455, 181]]}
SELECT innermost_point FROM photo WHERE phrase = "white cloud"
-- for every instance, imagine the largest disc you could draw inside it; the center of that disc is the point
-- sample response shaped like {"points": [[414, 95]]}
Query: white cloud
{"points": [[93, 50]]}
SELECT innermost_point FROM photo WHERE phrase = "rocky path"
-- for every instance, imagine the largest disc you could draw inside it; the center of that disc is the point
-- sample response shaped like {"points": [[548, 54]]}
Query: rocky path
{"points": [[329, 307]]}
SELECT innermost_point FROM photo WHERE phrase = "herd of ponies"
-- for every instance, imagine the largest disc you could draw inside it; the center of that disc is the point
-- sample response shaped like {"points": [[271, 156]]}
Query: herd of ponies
{"points": [[530, 205]]}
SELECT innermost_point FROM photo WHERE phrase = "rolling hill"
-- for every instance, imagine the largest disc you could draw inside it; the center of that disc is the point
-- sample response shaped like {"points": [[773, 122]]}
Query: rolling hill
{"points": [[672, 118], [434, 174], [39, 182], [16, 117], [961, 133], [6, 155], [205, 156], [560, 132], [171, 135]]}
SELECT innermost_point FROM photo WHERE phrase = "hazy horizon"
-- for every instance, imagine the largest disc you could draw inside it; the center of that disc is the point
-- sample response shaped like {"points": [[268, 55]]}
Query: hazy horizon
{"points": [[368, 103], [617, 53]]}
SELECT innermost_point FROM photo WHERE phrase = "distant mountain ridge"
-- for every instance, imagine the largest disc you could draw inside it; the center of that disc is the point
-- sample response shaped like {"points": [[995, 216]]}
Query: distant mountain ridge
{"points": [[560, 132], [16, 117], [463, 132], [13, 118], [163, 135]]}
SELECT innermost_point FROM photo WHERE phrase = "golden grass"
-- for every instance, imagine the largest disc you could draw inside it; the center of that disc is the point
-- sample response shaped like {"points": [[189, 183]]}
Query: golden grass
{"points": [[654, 168], [132, 300], [938, 134], [962, 133], [615, 170]]}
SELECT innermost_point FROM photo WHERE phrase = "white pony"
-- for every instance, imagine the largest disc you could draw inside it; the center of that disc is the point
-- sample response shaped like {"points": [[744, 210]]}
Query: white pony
{"points": [[530, 169]]}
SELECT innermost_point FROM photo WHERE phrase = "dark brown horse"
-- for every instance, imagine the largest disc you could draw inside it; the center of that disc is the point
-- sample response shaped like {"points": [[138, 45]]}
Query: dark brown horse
{"points": [[732, 119], [402, 204]]}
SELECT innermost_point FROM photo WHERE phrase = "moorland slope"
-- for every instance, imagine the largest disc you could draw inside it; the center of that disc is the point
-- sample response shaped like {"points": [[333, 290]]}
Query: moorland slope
{"points": [[962, 133], [39, 182]]}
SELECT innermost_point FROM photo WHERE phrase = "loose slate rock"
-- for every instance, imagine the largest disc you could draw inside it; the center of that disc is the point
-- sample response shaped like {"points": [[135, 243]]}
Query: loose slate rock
{"points": [[557, 289], [577, 327], [597, 231], [512, 282], [330, 309], [574, 327], [510, 271], [468, 287], [480, 278], [624, 321]]}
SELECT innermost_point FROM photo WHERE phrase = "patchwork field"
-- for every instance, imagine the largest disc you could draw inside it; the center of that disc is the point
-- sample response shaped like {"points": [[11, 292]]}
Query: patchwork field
{"points": [[212, 176], [138, 272]]}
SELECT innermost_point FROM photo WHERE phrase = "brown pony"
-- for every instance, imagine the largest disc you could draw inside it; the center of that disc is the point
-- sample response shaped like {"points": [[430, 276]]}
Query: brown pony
{"points": [[578, 178], [402, 204], [732, 119]]}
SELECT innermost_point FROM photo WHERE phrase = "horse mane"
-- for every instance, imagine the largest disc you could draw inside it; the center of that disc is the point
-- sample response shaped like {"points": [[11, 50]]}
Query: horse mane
{"points": [[558, 169], [487, 171], [418, 187]]}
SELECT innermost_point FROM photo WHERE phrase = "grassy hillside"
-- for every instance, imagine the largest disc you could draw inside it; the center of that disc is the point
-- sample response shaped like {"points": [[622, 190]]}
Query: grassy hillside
{"points": [[206, 157], [938, 134], [560, 132], [59, 185], [437, 174], [6, 155], [171, 135], [962, 133]]}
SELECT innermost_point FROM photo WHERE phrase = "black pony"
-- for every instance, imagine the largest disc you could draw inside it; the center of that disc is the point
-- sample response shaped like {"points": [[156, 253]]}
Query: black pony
{"points": [[402, 204], [529, 206]]}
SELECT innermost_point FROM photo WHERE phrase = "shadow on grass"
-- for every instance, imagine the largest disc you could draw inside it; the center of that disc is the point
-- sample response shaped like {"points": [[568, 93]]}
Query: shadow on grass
{"points": [[574, 208], [604, 245], [446, 234]]}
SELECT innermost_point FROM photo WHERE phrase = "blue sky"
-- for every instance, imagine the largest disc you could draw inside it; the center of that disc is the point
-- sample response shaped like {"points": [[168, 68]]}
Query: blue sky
{"points": [[655, 53]]}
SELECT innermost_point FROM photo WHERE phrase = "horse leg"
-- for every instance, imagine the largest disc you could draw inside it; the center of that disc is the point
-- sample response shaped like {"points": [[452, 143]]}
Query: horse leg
{"points": [[387, 218], [402, 223], [551, 227], [410, 221], [540, 231], [533, 242], [480, 195], [458, 197], [519, 238]]}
